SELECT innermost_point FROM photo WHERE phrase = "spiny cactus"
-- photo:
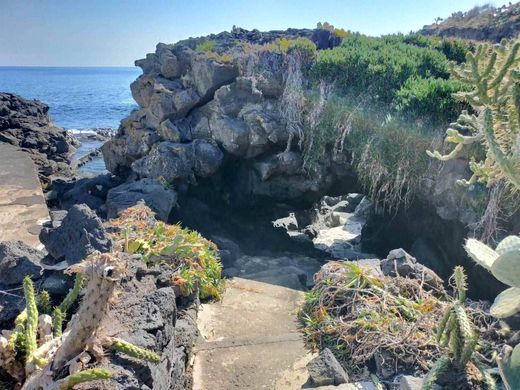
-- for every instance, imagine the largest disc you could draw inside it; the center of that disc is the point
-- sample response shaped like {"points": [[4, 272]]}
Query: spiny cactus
{"points": [[103, 272], [493, 72], [57, 322], [134, 351], [73, 293], [504, 264], [31, 326], [457, 333], [93, 374], [44, 302]]}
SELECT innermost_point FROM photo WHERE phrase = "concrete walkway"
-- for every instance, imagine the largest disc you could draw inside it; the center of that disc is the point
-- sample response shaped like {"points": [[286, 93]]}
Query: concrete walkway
{"points": [[22, 206], [250, 339]]}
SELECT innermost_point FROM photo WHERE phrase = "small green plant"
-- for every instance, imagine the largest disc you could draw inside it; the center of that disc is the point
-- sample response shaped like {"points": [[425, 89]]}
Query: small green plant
{"points": [[195, 259], [89, 375], [205, 46], [134, 351], [457, 333]]}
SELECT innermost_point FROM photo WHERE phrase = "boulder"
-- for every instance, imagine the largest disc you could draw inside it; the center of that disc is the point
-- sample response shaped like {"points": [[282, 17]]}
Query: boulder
{"points": [[172, 161], [325, 370], [81, 232], [155, 195], [400, 263], [18, 260], [26, 123], [209, 75]]}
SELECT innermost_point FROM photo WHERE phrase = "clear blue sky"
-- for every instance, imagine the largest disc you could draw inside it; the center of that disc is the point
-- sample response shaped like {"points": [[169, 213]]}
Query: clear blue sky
{"points": [[116, 32]]}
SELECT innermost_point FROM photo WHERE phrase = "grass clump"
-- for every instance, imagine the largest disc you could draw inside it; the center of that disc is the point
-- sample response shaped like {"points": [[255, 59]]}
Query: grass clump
{"points": [[195, 259], [205, 46], [359, 316]]}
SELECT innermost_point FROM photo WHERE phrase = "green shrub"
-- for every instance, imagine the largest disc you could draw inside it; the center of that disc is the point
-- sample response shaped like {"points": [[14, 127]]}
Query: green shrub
{"points": [[377, 66], [431, 98], [304, 48], [455, 49], [205, 46]]}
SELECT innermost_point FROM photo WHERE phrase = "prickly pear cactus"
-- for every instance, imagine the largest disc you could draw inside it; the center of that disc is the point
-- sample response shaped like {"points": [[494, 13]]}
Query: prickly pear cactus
{"points": [[504, 264], [509, 366]]}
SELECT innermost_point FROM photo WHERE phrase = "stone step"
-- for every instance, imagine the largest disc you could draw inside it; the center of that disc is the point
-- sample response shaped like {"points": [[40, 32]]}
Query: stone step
{"points": [[250, 340]]}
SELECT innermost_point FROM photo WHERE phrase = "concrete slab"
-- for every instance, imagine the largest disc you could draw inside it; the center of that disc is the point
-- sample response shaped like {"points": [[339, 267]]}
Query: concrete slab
{"points": [[22, 206], [250, 340]]}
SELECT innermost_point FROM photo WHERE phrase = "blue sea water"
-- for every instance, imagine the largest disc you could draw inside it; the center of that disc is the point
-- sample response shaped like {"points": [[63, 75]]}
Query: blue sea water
{"points": [[79, 98]]}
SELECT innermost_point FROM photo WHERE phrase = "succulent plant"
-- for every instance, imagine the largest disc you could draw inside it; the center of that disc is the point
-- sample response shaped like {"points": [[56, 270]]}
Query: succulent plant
{"points": [[504, 264]]}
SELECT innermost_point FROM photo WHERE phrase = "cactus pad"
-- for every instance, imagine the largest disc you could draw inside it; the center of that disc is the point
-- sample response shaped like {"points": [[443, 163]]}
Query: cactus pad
{"points": [[506, 303], [509, 366], [509, 243], [481, 253], [506, 268]]}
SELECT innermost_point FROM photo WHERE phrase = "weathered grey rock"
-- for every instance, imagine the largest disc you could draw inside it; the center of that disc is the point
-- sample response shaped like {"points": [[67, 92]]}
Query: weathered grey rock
{"points": [[209, 75], [408, 382], [400, 263], [325, 370], [81, 232], [56, 283], [18, 260], [159, 198], [286, 163], [173, 161], [288, 223]]}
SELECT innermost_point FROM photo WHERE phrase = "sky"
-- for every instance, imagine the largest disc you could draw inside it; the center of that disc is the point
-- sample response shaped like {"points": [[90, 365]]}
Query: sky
{"points": [[117, 32]]}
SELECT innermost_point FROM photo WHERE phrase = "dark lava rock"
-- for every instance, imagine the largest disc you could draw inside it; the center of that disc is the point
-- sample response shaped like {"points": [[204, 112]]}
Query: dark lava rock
{"points": [[26, 123], [147, 315], [81, 232], [56, 283], [400, 263], [325, 370], [156, 196], [17, 260], [90, 191]]}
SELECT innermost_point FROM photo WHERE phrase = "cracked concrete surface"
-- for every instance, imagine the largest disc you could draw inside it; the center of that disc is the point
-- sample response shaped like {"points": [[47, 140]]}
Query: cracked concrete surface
{"points": [[22, 206], [250, 340]]}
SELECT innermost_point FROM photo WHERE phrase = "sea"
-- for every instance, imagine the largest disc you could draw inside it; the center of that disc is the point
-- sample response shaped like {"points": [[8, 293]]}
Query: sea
{"points": [[81, 100]]}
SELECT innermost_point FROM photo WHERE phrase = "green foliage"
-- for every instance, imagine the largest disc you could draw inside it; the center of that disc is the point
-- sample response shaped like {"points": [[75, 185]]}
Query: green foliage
{"points": [[377, 66], [31, 326], [133, 350], [205, 46], [430, 99], [44, 302], [493, 75], [195, 259], [72, 295], [339, 32], [305, 49], [503, 263], [57, 322], [90, 375], [509, 366]]}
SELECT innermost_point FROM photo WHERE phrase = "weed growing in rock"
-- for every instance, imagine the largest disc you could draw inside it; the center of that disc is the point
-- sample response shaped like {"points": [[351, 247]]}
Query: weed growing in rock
{"points": [[195, 260]]}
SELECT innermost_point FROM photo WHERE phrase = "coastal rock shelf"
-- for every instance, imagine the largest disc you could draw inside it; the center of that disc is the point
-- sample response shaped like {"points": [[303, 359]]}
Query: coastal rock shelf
{"points": [[22, 206]]}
